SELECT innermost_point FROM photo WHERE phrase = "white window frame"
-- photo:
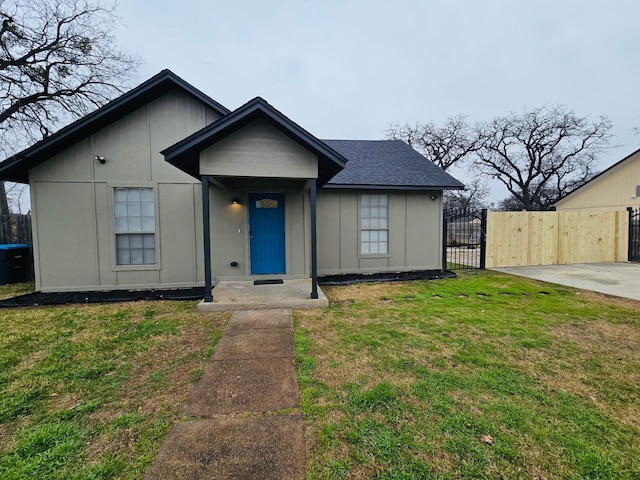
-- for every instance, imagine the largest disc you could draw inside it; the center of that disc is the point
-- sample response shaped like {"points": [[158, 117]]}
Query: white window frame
{"points": [[135, 219], [374, 225]]}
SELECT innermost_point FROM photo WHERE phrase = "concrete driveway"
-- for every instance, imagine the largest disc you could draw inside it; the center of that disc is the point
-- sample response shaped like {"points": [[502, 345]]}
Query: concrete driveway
{"points": [[618, 279]]}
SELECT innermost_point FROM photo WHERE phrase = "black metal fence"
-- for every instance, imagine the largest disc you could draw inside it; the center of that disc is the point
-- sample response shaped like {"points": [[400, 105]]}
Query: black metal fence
{"points": [[15, 228], [464, 239], [634, 234]]}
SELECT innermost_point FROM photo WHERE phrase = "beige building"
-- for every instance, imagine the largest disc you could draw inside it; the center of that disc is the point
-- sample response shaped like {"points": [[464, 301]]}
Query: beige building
{"points": [[618, 187], [166, 188]]}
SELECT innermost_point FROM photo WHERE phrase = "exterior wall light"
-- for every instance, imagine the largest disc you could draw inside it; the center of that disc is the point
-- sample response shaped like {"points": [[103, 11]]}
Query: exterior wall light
{"points": [[235, 201], [100, 158], [434, 197]]}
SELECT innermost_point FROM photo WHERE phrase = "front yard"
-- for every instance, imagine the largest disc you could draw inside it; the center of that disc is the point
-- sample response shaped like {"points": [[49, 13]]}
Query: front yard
{"points": [[88, 391], [483, 376]]}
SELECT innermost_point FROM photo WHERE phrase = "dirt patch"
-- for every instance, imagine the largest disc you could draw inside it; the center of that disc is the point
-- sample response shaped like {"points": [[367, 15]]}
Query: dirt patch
{"points": [[175, 358], [610, 300]]}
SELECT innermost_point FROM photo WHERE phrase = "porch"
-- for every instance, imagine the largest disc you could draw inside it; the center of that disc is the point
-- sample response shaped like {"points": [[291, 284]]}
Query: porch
{"points": [[244, 295]]}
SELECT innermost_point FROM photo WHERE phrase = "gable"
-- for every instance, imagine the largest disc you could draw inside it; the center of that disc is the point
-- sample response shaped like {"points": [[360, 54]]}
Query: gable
{"points": [[615, 187], [258, 150], [186, 154], [130, 144], [16, 167]]}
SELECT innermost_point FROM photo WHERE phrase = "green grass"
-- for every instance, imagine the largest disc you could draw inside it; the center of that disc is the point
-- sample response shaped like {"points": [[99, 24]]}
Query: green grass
{"points": [[88, 391], [404, 380], [15, 289]]}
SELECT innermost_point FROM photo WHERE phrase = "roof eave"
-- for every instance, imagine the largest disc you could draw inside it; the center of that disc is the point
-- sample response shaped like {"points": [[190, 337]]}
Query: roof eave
{"points": [[360, 186], [16, 167], [597, 177]]}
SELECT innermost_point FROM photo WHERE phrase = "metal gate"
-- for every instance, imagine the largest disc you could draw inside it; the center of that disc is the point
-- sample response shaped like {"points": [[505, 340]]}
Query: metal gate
{"points": [[464, 239], [634, 234]]}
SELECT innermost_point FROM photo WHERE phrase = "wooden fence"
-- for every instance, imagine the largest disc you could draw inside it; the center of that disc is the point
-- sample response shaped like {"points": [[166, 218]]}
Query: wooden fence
{"points": [[555, 238], [15, 229]]}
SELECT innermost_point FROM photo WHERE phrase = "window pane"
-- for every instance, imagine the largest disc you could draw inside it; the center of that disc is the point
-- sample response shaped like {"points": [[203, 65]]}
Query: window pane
{"points": [[123, 257], [121, 225], [366, 223], [135, 224], [148, 241], [134, 209], [120, 209], [149, 256], [122, 241], [133, 195], [148, 224], [137, 256], [147, 209], [146, 195], [366, 200], [382, 235], [135, 241], [383, 247], [364, 236], [120, 194], [364, 248], [384, 200]]}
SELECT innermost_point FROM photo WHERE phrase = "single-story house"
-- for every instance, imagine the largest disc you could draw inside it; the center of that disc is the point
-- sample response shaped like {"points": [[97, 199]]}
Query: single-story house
{"points": [[165, 188], [616, 188]]}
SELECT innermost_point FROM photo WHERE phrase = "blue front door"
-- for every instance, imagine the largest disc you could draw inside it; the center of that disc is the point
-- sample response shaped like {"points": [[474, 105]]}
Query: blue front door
{"points": [[266, 233]]}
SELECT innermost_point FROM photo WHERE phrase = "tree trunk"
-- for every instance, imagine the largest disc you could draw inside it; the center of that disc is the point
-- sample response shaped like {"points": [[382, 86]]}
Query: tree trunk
{"points": [[4, 204]]}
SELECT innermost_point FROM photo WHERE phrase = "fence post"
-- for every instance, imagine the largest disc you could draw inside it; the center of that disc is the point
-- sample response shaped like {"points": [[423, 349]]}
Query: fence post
{"points": [[630, 242], [444, 240], [483, 239]]}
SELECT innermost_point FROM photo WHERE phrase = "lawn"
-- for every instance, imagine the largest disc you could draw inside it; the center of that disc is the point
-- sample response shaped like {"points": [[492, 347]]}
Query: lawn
{"points": [[482, 376], [88, 391]]}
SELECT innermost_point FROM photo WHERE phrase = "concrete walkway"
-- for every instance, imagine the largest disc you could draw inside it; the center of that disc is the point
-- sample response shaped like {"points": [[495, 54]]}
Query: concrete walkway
{"points": [[617, 279], [242, 419]]}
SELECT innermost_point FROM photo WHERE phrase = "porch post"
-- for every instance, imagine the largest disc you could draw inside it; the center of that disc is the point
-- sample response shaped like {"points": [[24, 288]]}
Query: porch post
{"points": [[208, 294], [314, 248]]}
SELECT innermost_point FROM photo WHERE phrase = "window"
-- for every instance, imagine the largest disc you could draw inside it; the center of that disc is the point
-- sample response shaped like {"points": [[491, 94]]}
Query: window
{"points": [[134, 217], [374, 224]]}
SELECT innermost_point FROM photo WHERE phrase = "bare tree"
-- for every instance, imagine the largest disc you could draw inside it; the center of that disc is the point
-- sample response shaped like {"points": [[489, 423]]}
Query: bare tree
{"points": [[472, 198], [542, 154], [444, 145], [58, 61]]}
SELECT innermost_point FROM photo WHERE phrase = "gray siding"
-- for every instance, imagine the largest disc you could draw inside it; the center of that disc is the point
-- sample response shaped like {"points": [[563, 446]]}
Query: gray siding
{"points": [[258, 150], [230, 227], [415, 235], [72, 201]]}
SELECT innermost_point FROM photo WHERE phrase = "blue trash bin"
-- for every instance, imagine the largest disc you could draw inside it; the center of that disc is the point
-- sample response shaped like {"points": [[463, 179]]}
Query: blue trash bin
{"points": [[15, 263]]}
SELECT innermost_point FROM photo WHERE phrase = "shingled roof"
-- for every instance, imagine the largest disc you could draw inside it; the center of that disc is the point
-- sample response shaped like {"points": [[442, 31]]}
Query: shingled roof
{"points": [[387, 164]]}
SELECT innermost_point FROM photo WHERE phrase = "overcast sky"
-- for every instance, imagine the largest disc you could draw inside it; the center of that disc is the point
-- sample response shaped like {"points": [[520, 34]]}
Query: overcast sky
{"points": [[346, 68]]}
